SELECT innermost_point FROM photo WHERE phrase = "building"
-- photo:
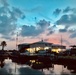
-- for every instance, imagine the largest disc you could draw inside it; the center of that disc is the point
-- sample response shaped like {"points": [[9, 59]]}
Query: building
{"points": [[58, 48], [40, 45]]}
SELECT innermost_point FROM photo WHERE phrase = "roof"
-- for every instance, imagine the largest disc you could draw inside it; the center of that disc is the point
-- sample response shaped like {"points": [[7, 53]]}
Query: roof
{"points": [[42, 42], [58, 46], [23, 44]]}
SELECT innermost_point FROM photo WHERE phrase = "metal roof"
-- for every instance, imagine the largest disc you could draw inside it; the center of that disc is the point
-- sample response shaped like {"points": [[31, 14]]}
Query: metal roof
{"points": [[42, 42]]}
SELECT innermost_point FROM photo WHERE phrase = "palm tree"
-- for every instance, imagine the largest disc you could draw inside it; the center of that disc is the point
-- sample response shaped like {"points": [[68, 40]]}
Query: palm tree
{"points": [[3, 44]]}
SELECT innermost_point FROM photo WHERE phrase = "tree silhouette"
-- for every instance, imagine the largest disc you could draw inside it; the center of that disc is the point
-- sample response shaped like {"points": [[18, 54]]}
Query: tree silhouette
{"points": [[3, 44]]}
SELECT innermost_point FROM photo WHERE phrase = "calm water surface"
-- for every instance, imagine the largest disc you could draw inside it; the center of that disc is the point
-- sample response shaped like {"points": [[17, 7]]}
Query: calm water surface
{"points": [[9, 67]]}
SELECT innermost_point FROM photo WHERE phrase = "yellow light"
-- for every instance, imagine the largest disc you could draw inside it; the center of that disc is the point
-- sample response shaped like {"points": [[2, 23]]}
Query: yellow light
{"points": [[37, 48], [59, 49], [31, 50], [46, 48], [56, 50]]}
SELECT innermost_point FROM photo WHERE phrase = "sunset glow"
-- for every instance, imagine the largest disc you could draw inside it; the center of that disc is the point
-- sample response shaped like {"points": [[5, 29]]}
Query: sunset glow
{"points": [[28, 21]]}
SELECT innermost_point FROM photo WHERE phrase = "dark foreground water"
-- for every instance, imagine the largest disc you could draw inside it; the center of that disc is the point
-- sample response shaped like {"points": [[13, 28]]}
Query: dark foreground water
{"points": [[13, 67]]}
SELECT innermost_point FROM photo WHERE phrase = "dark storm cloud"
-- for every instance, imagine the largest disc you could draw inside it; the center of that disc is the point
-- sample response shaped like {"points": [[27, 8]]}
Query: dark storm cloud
{"points": [[51, 32], [43, 23], [15, 14], [66, 10], [69, 9], [30, 31], [8, 37], [63, 30], [71, 30], [64, 20], [57, 12], [68, 20], [51, 29], [4, 3], [40, 27], [8, 19]]}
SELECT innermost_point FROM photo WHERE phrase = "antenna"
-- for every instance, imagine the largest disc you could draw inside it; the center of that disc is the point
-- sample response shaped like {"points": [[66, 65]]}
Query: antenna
{"points": [[16, 40], [61, 40], [42, 40]]}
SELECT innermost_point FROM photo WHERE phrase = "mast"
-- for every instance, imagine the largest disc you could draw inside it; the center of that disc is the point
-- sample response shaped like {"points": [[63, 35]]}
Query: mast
{"points": [[61, 41], [16, 41]]}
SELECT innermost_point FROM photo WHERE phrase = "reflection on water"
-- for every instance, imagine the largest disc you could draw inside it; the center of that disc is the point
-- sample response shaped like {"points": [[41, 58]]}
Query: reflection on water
{"points": [[34, 67]]}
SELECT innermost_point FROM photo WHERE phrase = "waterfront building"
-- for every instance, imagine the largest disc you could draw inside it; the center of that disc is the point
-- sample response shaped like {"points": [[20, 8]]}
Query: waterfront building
{"points": [[40, 46]]}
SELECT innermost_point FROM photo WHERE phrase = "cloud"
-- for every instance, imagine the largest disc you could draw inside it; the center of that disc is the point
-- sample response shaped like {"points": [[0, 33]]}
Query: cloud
{"points": [[50, 32], [30, 31], [8, 19], [43, 23], [64, 20], [16, 13], [68, 20], [63, 30], [66, 10], [71, 30], [51, 29], [66, 41], [57, 12], [40, 27], [4, 3], [73, 35], [69, 9]]}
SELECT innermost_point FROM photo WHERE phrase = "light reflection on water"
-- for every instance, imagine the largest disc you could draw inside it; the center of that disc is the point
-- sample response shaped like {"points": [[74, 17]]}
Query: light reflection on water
{"points": [[12, 68]]}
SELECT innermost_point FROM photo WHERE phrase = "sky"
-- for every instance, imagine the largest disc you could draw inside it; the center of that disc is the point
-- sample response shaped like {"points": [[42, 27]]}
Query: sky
{"points": [[28, 21]]}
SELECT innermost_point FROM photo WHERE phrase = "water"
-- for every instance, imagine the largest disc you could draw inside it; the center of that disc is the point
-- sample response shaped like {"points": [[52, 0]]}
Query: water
{"points": [[12, 67]]}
